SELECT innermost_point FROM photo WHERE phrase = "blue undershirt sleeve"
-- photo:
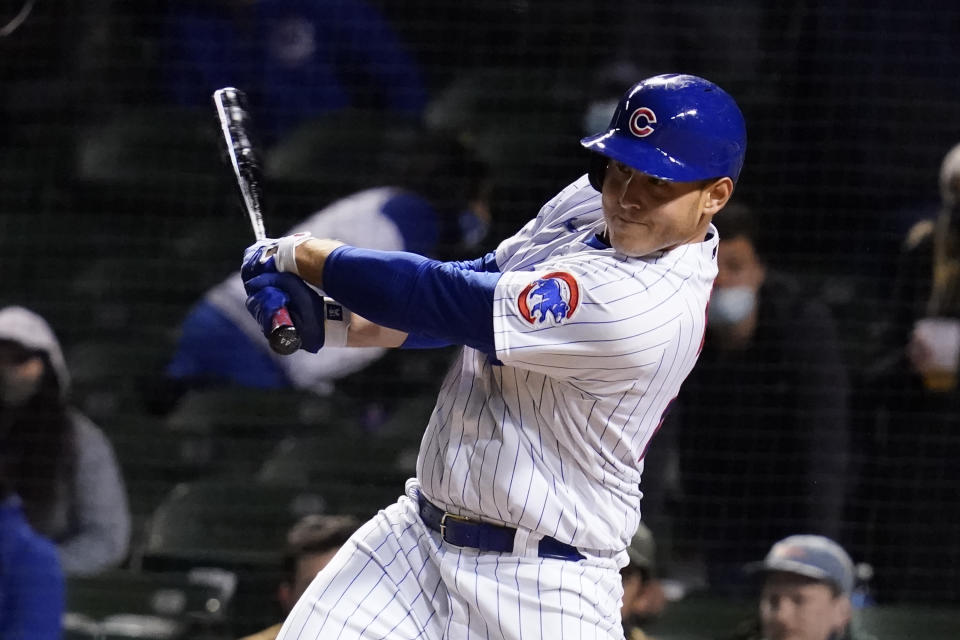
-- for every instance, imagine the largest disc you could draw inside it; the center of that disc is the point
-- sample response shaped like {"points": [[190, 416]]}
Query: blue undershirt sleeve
{"points": [[487, 263], [437, 303]]}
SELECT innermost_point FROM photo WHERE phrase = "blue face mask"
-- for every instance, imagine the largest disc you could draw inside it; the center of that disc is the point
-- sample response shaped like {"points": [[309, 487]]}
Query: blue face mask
{"points": [[731, 305]]}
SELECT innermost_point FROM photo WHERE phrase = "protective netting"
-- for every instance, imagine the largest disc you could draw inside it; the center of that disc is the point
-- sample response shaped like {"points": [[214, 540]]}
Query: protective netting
{"points": [[118, 216]]}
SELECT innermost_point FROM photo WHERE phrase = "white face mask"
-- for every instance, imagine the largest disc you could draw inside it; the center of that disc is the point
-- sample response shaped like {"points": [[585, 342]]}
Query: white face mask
{"points": [[731, 305], [16, 390]]}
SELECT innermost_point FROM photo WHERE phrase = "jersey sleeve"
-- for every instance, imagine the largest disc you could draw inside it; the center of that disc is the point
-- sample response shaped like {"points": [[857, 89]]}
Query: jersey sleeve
{"points": [[589, 322], [508, 247]]}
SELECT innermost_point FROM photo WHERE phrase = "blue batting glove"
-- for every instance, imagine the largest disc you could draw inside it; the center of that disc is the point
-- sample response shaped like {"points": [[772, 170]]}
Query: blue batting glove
{"points": [[268, 292], [258, 259]]}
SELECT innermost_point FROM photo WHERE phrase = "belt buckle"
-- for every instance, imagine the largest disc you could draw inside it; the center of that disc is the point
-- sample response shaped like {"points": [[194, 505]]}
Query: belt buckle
{"points": [[443, 527]]}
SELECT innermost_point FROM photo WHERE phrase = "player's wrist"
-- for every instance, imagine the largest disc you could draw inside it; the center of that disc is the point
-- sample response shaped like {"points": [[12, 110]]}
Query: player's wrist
{"points": [[311, 256], [285, 258], [336, 323]]}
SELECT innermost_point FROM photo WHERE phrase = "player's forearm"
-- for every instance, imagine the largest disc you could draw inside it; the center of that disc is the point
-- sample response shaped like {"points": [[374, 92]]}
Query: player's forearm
{"points": [[311, 257], [437, 303], [364, 333]]}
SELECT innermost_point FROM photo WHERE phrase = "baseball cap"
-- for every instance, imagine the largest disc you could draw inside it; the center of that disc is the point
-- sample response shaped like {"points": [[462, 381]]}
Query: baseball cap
{"points": [[642, 550], [816, 557]]}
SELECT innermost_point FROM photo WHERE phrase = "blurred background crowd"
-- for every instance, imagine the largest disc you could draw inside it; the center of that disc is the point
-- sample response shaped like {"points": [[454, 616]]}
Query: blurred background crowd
{"points": [[148, 434]]}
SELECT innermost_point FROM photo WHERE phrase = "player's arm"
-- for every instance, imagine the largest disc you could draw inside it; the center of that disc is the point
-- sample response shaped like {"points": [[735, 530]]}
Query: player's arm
{"points": [[311, 259], [396, 298], [430, 303]]}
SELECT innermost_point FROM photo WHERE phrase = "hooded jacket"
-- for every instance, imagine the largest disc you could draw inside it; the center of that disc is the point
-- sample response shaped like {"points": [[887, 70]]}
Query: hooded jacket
{"points": [[89, 518]]}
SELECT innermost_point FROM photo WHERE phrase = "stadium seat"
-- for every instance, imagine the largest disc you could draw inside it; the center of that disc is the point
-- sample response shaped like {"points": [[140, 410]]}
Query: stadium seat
{"points": [[911, 621], [231, 524], [384, 456], [195, 595], [77, 626], [258, 410], [317, 162], [230, 430], [106, 374], [476, 104], [162, 604], [129, 626]]}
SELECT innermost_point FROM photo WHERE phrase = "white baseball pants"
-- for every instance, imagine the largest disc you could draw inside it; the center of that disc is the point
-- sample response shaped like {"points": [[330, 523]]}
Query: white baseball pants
{"points": [[396, 579]]}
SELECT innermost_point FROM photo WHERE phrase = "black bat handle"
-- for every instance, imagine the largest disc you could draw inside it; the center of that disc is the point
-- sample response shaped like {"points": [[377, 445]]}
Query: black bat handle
{"points": [[284, 338]]}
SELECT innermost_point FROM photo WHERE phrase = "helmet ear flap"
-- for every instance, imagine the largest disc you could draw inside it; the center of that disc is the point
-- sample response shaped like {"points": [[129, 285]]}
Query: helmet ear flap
{"points": [[596, 169]]}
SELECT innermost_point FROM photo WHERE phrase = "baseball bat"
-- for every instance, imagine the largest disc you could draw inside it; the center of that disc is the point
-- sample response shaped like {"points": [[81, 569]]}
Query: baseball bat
{"points": [[231, 106]]}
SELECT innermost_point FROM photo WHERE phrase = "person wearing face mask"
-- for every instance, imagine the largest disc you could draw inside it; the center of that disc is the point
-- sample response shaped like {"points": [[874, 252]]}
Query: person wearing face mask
{"points": [[59, 463], [762, 426]]}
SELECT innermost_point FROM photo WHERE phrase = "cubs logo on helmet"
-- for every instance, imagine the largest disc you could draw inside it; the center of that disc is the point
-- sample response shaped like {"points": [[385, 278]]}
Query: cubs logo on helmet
{"points": [[551, 299], [640, 121]]}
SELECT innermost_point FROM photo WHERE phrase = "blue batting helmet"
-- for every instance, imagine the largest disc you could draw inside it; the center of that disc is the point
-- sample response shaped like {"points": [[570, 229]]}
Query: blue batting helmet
{"points": [[675, 127]]}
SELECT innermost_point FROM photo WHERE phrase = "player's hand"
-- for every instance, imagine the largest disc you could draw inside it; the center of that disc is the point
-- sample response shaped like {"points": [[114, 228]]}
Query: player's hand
{"points": [[272, 256], [268, 292]]}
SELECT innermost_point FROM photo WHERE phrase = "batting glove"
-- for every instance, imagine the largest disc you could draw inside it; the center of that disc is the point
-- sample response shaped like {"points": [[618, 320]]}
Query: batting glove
{"points": [[268, 292], [272, 256]]}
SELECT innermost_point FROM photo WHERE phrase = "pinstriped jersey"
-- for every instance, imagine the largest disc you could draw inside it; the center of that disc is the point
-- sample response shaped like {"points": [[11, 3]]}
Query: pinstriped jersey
{"points": [[591, 348]]}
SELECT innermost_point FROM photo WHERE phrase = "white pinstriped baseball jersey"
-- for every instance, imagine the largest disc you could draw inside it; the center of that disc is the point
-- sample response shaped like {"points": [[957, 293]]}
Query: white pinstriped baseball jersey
{"points": [[553, 439], [592, 346]]}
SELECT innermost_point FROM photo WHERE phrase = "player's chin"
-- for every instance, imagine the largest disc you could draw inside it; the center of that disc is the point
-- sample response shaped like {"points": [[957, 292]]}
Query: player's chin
{"points": [[631, 248], [634, 240]]}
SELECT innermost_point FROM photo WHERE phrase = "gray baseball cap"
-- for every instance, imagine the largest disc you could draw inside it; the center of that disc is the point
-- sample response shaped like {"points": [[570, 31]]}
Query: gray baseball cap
{"points": [[812, 556], [643, 550]]}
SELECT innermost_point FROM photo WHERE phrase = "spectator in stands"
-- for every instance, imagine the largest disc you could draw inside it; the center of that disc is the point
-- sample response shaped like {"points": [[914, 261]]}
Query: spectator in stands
{"points": [[31, 580], [807, 582], [295, 58], [440, 204], [762, 420], [643, 597], [311, 544], [913, 473], [58, 462]]}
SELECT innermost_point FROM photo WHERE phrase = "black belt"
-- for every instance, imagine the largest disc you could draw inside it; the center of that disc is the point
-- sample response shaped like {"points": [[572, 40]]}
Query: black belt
{"points": [[463, 532]]}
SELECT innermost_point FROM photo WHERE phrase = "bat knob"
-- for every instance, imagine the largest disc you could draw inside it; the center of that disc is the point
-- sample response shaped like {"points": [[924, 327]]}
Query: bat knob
{"points": [[285, 340]]}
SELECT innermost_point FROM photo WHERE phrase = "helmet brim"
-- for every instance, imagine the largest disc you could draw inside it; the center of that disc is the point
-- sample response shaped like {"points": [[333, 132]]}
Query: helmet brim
{"points": [[645, 158]]}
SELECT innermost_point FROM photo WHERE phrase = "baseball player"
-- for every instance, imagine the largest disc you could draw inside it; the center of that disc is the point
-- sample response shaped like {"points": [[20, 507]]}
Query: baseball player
{"points": [[577, 334]]}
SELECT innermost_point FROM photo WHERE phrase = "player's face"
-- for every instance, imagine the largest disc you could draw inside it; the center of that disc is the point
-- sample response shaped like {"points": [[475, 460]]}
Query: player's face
{"points": [[797, 608], [646, 214]]}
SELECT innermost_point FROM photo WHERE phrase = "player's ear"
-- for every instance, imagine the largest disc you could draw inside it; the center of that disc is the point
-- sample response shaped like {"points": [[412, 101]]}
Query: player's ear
{"points": [[716, 194]]}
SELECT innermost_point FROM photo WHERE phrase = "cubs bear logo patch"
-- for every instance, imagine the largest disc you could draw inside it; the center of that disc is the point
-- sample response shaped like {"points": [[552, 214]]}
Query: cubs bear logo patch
{"points": [[551, 299]]}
